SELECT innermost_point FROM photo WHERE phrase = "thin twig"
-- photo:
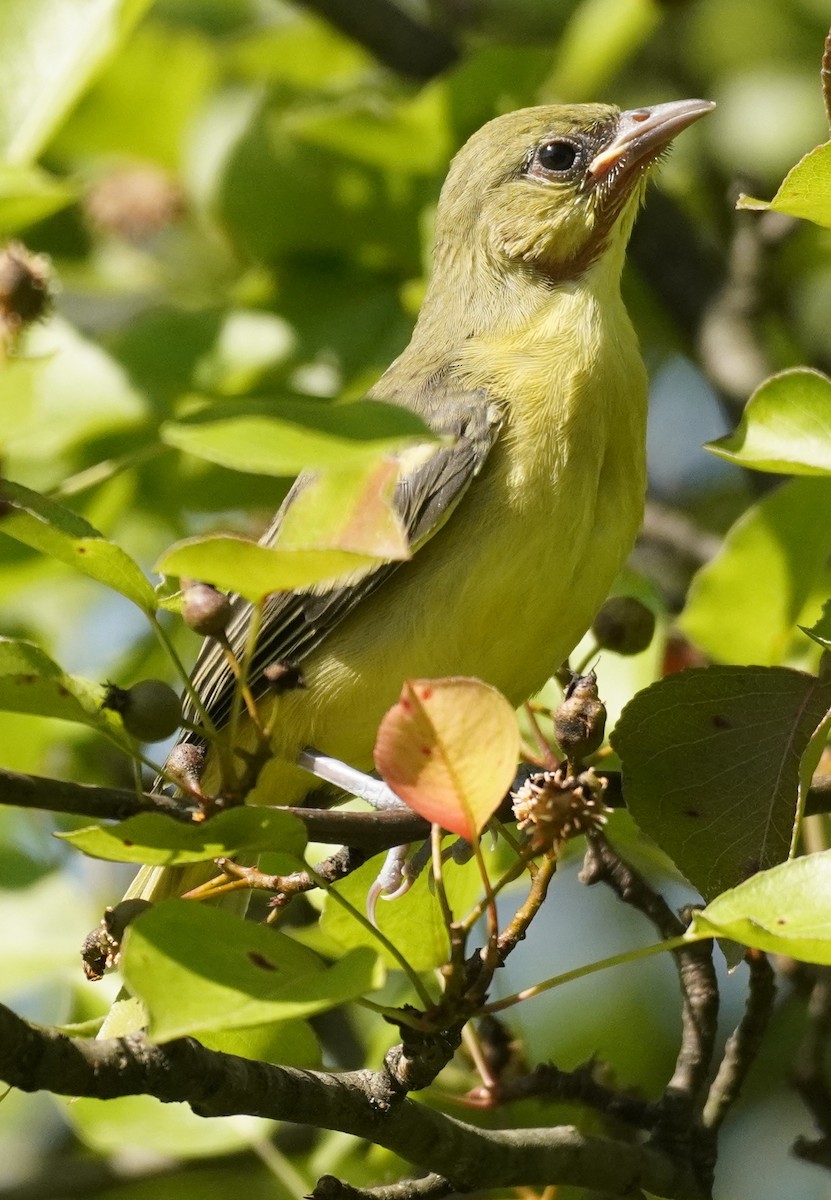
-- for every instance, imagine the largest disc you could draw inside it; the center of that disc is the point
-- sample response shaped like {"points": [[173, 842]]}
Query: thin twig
{"points": [[547, 1082], [680, 1106], [430, 1187], [809, 1076], [744, 1043]]}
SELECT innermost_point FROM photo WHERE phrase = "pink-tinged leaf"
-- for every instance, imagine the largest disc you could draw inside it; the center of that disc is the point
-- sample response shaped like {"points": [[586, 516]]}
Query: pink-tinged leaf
{"points": [[449, 749], [348, 509]]}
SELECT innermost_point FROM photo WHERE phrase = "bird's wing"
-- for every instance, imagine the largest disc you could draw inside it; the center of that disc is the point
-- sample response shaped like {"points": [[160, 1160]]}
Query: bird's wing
{"points": [[296, 623]]}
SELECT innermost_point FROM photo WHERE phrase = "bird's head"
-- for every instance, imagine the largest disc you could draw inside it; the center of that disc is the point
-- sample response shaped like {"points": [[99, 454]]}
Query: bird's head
{"points": [[552, 187]]}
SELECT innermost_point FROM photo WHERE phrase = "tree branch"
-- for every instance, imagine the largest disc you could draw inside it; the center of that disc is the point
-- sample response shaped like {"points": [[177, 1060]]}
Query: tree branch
{"points": [[392, 35], [744, 1043], [372, 832], [217, 1084]]}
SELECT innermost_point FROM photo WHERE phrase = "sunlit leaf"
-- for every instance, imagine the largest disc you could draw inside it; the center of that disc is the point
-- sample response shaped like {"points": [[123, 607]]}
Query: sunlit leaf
{"points": [[284, 437], [805, 191], [199, 968], [786, 910], [30, 682], [47, 526], [118, 1125], [783, 541], [412, 922], [785, 426], [449, 749], [348, 510], [51, 49], [713, 766], [28, 194], [158, 840], [254, 571]]}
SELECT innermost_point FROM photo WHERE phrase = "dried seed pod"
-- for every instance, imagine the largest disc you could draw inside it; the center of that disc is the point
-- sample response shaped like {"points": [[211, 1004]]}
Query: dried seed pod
{"points": [[553, 806], [102, 946], [183, 766], [580, 720], [24, 287], [624, 625]]}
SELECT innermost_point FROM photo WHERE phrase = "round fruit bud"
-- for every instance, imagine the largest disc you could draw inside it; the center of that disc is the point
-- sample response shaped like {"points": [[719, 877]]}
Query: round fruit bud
{"points": [[150, 709], [624, 625], [24, 287], [205, 610], [580, 720]]}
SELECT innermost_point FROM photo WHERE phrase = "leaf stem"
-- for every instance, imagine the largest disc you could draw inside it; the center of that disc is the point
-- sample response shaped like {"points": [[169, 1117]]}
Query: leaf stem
{"points": [[421, 991], [579, 972]]}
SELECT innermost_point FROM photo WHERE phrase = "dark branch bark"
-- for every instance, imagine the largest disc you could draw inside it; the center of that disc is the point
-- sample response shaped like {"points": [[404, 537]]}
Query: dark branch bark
{"points": [[392, 35], [680, 1108], [217, 1084], [372, 832], [744, 1043], [430, 1187]]}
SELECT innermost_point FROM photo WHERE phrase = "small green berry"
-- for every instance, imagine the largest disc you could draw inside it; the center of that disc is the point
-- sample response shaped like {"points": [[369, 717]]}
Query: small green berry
{"points": [[150, 709], [624, 625]]}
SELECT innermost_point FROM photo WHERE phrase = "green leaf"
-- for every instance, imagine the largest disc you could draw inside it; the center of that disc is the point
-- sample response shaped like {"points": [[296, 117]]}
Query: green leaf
{"points": [[348, 510], [786, 910], [449, 749], [284, 437], [49, 52], [805, 191], [785, 427], [158, 840], [52, 529], [782, 543], [30, 682], [127, 114], [287, 1043], [28, 194], [198, 968], [412, 138], [171, 1130], [713, 766], [412, 922], [254, 571]]}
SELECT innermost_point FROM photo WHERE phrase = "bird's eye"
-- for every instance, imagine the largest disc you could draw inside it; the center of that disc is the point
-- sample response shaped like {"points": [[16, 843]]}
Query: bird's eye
{"points": [[557, 156]]}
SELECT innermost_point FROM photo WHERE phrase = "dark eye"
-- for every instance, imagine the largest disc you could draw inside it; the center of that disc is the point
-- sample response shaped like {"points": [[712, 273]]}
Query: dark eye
{"points": [[557, 156]]}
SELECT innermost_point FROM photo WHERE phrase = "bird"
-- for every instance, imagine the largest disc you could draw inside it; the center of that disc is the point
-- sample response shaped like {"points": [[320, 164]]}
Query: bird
{"points": [[524, 362]]}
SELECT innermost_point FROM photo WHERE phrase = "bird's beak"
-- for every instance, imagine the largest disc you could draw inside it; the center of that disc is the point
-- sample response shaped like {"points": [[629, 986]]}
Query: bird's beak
{"points": [[642, 133]]}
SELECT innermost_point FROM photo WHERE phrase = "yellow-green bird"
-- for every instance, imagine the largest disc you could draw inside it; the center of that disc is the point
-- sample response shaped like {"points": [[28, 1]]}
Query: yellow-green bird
{"points": [[524, 355]]}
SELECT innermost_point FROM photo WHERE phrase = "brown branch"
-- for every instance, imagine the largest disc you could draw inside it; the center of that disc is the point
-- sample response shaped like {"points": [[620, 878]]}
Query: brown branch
{"points": [[680, 1105], [809, 1076], [392, 35], [580, 1086], [217, 1084], [744, 1043], [430, 1187], [372, 832]]}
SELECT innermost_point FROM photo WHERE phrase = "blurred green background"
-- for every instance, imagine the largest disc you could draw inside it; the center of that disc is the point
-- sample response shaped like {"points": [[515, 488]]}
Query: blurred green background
{"points": [[237, 199]]}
